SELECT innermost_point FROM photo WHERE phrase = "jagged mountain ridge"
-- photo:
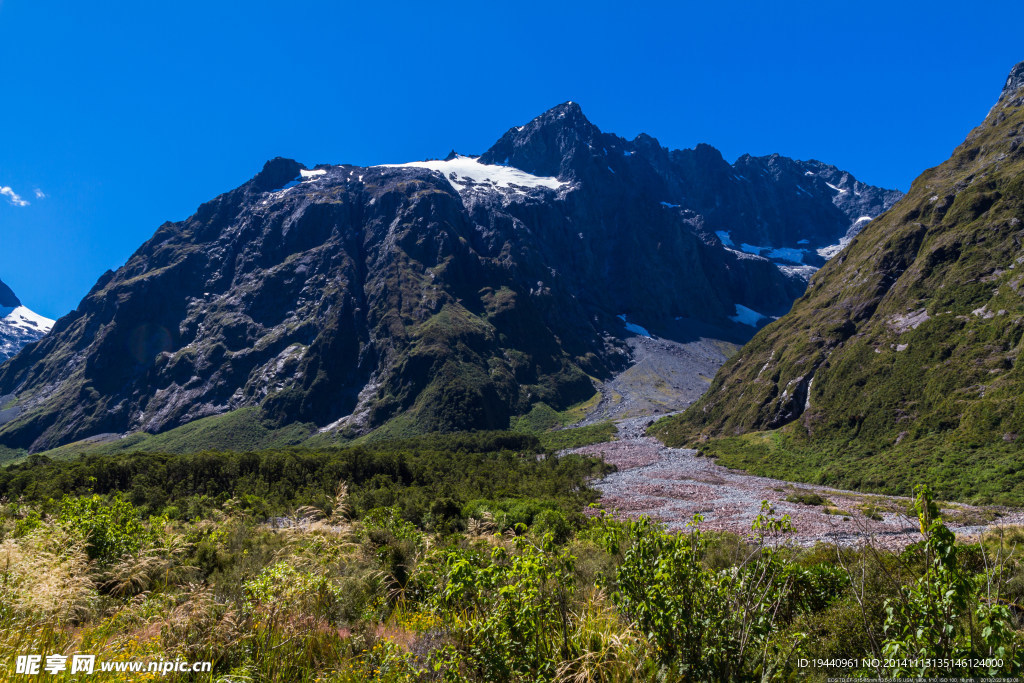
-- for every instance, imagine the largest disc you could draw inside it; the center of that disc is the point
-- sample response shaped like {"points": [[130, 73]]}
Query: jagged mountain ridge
{"points": [[450, 294], [760, 205], [19, 325], [905, 347]]}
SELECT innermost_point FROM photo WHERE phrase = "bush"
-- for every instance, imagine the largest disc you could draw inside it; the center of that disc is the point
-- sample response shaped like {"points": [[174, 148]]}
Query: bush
{"points": [[111, 529]]}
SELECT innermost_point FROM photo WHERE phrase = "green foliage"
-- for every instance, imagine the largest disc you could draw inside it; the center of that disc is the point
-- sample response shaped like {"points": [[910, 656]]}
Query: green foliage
{"points": [[242, 429], [806, 498], [111, 528], [11, 454], [511, 609], [412, 474], [708, 624], [541, 417], [329, 598], [282, 585], [948, 613], [989, 475]]}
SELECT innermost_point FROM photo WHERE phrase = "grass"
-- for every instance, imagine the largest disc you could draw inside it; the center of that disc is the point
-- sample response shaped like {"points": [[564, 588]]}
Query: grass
{"points": [[551, 426], [543, 417], [245, 430], [11, 454], [576, 437], [979, 475], [238, 430]]}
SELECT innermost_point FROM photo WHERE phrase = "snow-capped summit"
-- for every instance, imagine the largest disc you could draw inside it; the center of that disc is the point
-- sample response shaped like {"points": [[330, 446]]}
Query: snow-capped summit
{"points": [[19, 325]]}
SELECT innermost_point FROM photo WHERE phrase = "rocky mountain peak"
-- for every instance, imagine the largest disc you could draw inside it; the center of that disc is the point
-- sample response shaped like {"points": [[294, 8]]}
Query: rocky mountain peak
{"points": [[708, 153], [567, 114], [276, 173], [550, 145], [7, 297], [1015, 81]]}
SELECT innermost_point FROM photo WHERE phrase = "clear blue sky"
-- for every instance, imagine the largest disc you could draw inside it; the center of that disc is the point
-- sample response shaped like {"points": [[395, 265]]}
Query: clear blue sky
{"points": [[126, 114]]}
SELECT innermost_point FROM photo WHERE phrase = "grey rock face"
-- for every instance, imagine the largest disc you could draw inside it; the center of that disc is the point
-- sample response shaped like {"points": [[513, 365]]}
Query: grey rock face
{"points": [[1015, 81]]}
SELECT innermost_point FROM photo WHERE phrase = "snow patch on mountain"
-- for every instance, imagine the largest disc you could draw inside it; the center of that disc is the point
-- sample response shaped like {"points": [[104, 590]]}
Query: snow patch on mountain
{"points": [[19, 326], [746, 316], [633, 327], [781, 253], [23, 317], [801, 272], [467, 173]]}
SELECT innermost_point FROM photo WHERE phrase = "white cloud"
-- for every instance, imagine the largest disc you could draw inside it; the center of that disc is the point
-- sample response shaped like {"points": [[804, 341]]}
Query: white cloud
{"points": [[12, 196], [40, 194]]}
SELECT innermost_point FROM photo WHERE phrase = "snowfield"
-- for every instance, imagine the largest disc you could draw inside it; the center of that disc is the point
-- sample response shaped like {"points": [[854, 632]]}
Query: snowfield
{"points": [[20, 326], [465, 173], [23, 318]]}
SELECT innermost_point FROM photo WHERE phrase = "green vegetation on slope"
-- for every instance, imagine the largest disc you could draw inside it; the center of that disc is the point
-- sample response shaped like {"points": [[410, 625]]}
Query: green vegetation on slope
{"points": [[901, 361], [553, 430], [245, 430], [437, 475], [337, 599], [984, 475]]}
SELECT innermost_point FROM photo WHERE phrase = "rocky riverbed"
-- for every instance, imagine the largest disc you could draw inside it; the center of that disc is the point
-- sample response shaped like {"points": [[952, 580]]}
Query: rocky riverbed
{"points": [[674, 484]]}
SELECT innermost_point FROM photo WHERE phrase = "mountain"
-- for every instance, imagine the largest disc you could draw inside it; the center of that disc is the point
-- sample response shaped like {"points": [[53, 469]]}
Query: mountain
{"points": [[901, 362], [18, 325], [790, 212], [437, 295]]}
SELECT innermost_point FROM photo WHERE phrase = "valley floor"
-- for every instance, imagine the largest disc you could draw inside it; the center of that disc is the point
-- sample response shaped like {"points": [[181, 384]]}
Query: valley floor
{"points": [[672, 485]]}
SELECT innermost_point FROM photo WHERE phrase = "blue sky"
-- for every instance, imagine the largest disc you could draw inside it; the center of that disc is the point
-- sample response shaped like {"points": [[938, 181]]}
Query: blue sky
{"points": [[127, 114]]}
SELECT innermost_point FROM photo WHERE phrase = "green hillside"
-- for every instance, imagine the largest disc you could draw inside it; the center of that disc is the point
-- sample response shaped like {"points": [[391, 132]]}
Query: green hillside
{"points": [[900, 362]]}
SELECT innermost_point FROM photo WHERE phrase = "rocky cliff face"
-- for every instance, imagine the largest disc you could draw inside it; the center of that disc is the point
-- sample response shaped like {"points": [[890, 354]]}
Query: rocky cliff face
{"points": [[18, 324], [447, 294], [905, 347]]}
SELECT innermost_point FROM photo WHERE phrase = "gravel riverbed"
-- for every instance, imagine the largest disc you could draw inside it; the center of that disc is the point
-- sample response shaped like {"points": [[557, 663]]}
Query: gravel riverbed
{"points": [[674, 484]]}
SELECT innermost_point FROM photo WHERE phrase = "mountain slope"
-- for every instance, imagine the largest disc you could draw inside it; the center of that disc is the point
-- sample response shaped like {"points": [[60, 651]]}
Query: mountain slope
{"points": [[441, 295], [901, 361], [18, 324]]}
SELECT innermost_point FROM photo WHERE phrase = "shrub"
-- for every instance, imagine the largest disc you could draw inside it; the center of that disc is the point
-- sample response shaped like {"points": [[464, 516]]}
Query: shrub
{"points": [[110, 529]]}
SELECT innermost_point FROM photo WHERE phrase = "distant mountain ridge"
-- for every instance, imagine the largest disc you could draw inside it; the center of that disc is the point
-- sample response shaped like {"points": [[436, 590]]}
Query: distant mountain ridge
{"points": [[901, 363], [759, 204], [18, 324], [437, 295]]}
